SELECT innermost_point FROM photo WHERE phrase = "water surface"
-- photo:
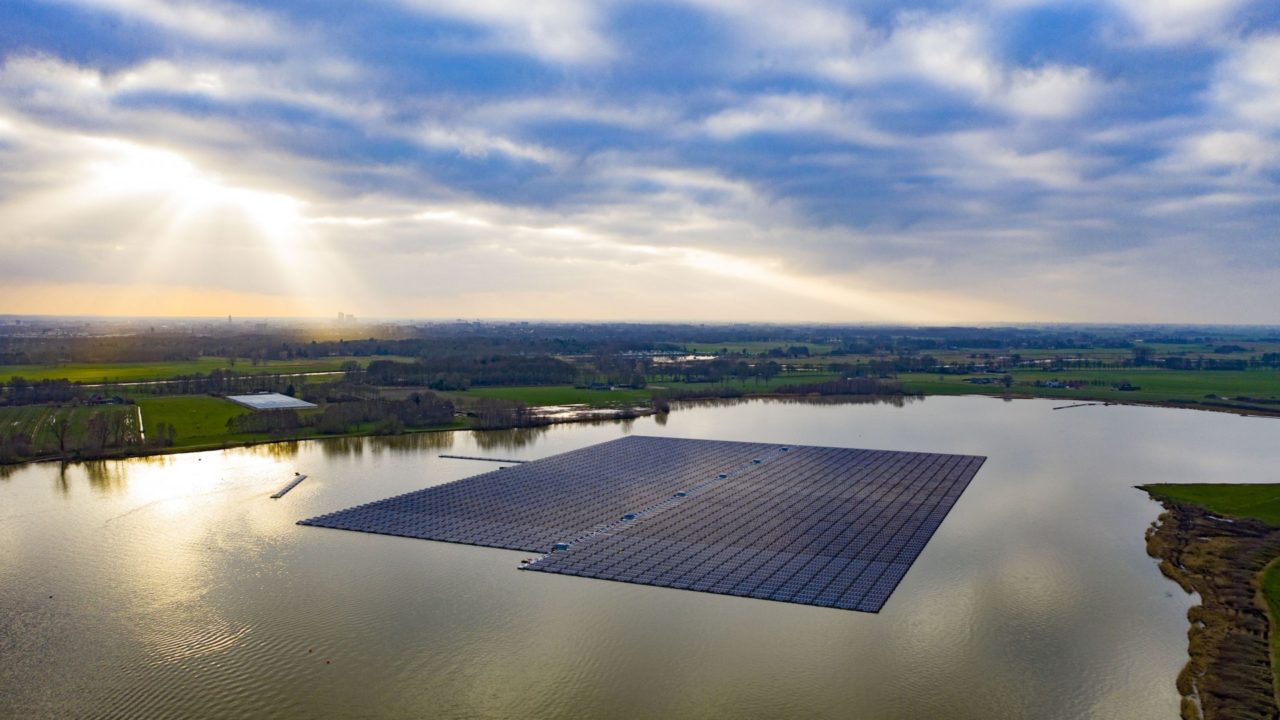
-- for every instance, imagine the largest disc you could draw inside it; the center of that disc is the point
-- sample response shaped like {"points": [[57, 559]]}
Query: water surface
{"points": [[173, 587]]}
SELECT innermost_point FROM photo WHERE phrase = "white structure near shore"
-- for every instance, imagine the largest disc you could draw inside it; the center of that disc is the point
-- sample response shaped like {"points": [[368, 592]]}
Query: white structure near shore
{"points": [[270, 401]]}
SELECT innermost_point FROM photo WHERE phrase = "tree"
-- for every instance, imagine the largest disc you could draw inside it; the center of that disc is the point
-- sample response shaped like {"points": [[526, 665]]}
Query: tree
{"points": [[163, 435], [61, 427], [351, 369], [119, 426], [770, 370], [98, 431], [1141, 355]]}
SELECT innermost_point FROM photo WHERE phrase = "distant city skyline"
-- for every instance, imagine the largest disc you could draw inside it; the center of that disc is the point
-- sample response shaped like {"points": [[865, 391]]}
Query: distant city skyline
{"points": [[921, 162]]}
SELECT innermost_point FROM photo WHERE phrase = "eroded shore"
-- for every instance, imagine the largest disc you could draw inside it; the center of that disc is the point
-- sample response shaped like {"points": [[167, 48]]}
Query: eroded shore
{"points": [[1229, 673]]}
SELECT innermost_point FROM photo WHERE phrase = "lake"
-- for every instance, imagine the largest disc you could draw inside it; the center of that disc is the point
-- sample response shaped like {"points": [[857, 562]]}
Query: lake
{"points": [[173, 586]]}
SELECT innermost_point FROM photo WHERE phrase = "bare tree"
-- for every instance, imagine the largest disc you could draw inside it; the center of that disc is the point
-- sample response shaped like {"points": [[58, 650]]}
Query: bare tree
{"points": [[61, 427], [98, 430], [118, 424]]}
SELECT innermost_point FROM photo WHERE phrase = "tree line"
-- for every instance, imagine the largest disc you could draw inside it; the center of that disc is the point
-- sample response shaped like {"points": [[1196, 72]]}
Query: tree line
{"points": [[456, 372], [419, 410], [477, 339]]}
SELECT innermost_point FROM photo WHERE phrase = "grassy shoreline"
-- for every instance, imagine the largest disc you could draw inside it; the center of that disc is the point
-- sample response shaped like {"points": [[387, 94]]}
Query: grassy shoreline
{"points": [[137, 452], [1235, 568], [215, 437], [1212, 390]]}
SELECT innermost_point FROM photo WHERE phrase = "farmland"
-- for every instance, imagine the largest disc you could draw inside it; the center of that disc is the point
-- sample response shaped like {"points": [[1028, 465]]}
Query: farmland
{"points": [[147, 371], [33, 431], [1224, 370], [1243, 390], [755, 347], [197, 420], [752, 386]]}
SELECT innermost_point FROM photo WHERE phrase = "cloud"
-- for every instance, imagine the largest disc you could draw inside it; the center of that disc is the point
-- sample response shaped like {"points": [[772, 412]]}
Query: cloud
{"points": [[704, 159], [49, 84], [323, 90], [651, 114], [790, 33], [955, 53], [215, 21], [559, 31], [1049, 92], [1216, 200], [1247, 83], [1228, 150], [477, 143], [986, 158], [1179, 21], [794, 114], [320, 85]]}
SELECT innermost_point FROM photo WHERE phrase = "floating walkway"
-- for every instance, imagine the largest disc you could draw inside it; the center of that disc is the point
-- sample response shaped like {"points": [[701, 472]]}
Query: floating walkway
{"points": [[280, 493], [1085, 404], [485, 459]]}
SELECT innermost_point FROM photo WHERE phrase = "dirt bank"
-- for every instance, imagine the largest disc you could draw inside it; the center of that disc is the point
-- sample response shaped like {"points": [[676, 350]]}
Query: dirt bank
{"points": [[1229, 674]]}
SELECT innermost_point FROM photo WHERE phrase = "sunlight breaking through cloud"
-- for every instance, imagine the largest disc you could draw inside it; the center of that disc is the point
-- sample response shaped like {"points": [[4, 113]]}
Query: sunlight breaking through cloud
{"points": [[920, 163]]}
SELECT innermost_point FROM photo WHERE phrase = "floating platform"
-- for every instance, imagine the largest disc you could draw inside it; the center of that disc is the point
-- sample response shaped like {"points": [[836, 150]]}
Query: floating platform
{"points": [[834, 527], [485, 459], [299, 477]]}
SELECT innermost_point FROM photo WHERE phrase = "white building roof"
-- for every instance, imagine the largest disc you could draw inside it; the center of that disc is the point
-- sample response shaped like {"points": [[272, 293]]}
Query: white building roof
{"points": [[270, 401]]}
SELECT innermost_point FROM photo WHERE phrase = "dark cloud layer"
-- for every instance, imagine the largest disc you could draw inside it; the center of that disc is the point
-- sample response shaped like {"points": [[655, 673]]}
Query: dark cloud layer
{"points": [[934, 161]]}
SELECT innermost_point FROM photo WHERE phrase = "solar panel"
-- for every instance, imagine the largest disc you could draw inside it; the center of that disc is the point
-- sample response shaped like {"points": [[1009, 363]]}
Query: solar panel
{"points": [[834, 527]]}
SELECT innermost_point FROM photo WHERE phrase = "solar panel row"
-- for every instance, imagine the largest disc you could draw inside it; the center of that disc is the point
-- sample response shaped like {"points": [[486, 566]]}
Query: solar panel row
{"points": [[558, 499], [823, 526], [834, 527]]}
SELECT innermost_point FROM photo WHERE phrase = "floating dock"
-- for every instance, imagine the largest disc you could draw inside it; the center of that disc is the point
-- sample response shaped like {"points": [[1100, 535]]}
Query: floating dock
{"points": [[294, 483], [485, 459]]}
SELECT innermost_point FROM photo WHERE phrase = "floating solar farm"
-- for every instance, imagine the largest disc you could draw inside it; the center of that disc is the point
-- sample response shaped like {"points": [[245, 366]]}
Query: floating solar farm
{"points": [[833, 527]]}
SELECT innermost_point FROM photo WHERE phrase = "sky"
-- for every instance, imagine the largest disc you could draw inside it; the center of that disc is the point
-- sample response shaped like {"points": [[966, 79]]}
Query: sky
{"points": [[707, 160]]}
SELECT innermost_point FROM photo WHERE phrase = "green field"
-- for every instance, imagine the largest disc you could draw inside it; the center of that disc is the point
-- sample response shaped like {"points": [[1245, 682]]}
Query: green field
{"points": [[541, 395], [1260, 501], [1155, 385], [201, 422], [749, 385], [35, 423], [199, 419], [30, 421], [536, 396], [753, 347], [142, 371]]}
